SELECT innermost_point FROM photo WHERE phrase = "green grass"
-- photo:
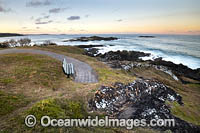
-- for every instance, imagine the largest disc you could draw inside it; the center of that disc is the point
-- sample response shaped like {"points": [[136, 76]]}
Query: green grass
{"points": [[37, 69], [65, 108], [195, 86], [35, 76], [58, 108], [10, 102], [186, 112], [73, 109], [55, 108], [46, 107], [66, 49], [7, 81]]}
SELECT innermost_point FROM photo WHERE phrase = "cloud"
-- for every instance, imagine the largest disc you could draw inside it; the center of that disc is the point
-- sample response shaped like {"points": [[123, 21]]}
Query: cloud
{"points": [[44, 22], [3, 9], [119, 20], [71, 30], [31, 18], [24, 27], [38, 19], [82, 30], [36, 3], [194, 31], [87, 15], [71, 18], [46, 16], [56, 10]]}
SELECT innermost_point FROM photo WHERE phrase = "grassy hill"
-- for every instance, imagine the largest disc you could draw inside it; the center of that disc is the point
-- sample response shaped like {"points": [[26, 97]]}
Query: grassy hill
{"points": [[35, 84]]}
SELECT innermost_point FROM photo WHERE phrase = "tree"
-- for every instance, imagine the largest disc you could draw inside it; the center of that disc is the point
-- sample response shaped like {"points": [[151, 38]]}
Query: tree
{"points": [[4, 44], [13, 43], [48, 42], [24, 42]]}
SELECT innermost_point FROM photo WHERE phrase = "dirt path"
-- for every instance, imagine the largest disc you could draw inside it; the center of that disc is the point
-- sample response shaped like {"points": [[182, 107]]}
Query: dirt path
{"points": [[84, 72]]}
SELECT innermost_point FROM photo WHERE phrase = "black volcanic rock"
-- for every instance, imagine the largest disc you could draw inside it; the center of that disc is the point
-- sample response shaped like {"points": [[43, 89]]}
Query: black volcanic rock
{"points": [[147, 36], [92, 38], [179, 70], [115, 59], [123, 55], [141, 99], [89, 46], [93, 52]]}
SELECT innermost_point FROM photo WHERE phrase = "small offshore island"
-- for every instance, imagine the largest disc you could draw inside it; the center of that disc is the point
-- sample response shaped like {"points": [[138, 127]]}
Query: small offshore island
{"points": [[92, 38]]}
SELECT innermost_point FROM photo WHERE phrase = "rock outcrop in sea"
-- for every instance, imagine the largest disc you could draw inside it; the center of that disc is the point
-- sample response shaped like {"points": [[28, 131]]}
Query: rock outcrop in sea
{"points": [[92, 38], [147, 36], [123, 55]]}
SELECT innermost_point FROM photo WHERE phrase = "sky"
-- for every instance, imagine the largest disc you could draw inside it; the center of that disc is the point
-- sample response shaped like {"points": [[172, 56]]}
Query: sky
{"points": [[100, 16]]}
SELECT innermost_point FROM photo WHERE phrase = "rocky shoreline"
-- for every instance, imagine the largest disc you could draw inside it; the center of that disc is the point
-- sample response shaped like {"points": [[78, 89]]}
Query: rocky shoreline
{"points": [[127, 60], [142, 98]]}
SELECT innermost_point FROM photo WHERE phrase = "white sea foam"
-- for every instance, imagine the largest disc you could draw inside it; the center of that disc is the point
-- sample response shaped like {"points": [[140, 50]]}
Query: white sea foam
{"points": [[178, 49]]}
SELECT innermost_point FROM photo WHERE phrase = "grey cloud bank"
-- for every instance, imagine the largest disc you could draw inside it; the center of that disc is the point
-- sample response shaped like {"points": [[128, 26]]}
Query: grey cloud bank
{"points": [[36, 3], [57, 10], [73, 18]]}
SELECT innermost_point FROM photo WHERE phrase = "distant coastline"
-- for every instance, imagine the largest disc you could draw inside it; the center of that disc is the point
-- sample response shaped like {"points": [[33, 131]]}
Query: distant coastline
{"points": [[9, 34]]}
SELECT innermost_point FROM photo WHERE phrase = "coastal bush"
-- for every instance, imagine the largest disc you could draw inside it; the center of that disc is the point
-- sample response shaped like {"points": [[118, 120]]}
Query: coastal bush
{"points": [[47, 107], [47, 43], [4, 44], [24, 42], [58, 108], [73, 108], [12, 43]]}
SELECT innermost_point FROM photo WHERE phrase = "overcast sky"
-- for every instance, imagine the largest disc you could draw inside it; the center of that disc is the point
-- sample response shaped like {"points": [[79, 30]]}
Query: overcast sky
{"points": [[100, 16]]}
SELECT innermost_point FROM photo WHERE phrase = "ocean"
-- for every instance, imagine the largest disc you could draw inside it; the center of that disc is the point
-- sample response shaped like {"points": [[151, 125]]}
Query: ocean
{"points": [[183, 49]]}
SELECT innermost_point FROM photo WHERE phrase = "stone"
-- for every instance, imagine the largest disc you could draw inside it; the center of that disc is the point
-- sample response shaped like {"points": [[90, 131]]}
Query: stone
{"points": [[92, 38]]}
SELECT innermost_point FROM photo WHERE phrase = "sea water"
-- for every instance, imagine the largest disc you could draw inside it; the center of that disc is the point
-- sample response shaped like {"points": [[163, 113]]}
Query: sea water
{"points": [[183, 49]]}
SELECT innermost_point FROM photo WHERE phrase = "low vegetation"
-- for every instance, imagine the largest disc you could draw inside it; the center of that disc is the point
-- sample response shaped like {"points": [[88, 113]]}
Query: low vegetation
{"points": [[47, 43], [41, 82], [13, 43], [10, 102], [35, 84], [23, 42]]}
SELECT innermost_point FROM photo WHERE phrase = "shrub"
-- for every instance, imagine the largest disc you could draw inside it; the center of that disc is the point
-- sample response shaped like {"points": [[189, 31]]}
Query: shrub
{"points": [[47, 107], [4, 44], [47, 43], [13, 43], [24, 42]]}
